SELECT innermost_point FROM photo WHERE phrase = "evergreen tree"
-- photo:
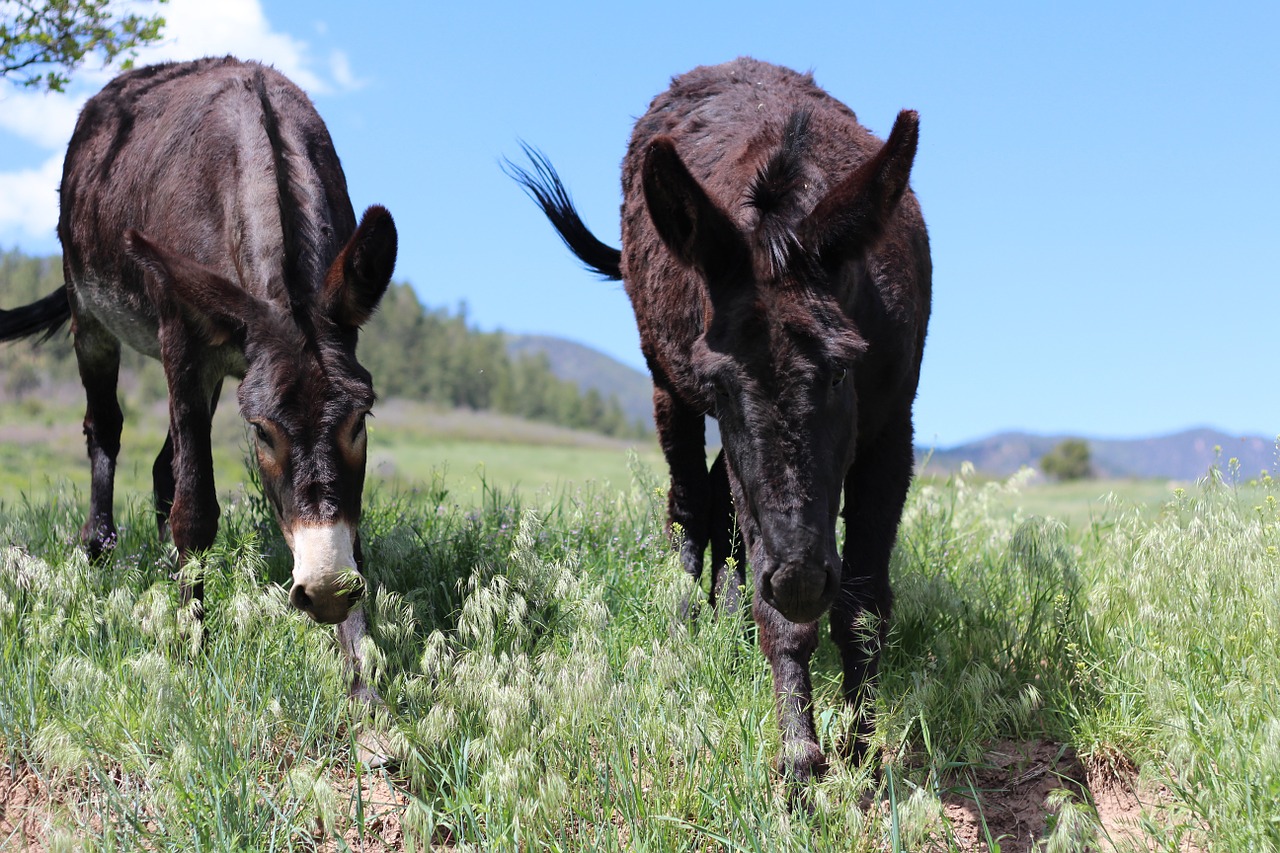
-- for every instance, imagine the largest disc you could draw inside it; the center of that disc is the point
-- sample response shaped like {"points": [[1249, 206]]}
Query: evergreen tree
{"points": [[413, 352]]}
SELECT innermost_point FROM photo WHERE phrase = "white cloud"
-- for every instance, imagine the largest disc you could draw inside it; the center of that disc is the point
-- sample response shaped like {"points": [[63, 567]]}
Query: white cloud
{"points": [[340, 69], [193, 28], [44, 119], [196, 28], [29, 201]]}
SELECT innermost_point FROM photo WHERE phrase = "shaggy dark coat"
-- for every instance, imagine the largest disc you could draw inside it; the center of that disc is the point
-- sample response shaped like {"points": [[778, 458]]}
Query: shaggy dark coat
{"points": [[779, 269]]}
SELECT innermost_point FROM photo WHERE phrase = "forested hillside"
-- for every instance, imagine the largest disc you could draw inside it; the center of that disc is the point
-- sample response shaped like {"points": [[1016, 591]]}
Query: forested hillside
{"points": [[591, 368], [430, 354]]}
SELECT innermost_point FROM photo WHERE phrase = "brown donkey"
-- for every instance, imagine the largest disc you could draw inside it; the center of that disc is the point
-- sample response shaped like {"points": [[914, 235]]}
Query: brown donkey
{"points": [[779, 270], [205, 222]]}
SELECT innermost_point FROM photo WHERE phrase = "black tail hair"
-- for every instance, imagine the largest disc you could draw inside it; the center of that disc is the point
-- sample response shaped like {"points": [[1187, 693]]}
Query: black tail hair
{"points": [[543, 185], [43, 317]]}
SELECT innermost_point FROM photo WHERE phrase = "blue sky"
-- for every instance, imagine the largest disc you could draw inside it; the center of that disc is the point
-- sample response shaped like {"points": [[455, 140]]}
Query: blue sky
{"points": [[1100, 180]]}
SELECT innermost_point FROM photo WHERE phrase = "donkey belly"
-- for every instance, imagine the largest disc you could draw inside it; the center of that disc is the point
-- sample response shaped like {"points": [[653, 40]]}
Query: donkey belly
{"points": [[128, 318]]}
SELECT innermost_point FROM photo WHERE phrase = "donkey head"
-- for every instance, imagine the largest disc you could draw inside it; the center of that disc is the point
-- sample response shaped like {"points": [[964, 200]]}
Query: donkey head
{"points": [[779, 354], [304, 394]]}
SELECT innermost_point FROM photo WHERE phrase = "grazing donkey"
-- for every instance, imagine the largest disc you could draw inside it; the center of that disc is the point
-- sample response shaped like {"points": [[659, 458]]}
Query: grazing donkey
{"points": [[205, 222], [780, 274]]}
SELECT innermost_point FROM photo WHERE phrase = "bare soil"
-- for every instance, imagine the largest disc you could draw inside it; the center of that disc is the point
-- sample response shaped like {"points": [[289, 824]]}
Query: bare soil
{"points": [[26, 810], [1010, 797], [1006, 802], [33, 813]]}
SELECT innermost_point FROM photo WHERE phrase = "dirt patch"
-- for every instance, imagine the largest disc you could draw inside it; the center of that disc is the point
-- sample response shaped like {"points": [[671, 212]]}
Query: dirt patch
{"points": [[26, 810], [1011, 802], [369, 819], [1123, 805], [1008, 801], [372, 813]]}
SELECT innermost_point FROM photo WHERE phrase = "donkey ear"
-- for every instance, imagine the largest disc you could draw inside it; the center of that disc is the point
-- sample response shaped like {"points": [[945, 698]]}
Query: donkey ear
{"points": [[359, 276], [216, 306], [691, 225], [854, 214]]}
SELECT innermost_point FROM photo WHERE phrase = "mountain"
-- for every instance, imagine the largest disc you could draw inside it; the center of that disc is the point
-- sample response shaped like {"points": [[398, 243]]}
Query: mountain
{"points": [[591, 369], [1181, 456]]}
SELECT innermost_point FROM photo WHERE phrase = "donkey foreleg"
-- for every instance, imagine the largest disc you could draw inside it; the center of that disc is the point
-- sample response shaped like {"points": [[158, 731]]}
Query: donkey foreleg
{"points": [[875, 492], [351, 633], [788, 646], [194, 513]]}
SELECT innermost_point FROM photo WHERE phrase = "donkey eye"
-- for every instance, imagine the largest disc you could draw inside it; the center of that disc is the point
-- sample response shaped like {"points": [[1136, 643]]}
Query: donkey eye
{"points": [[357, 429], [838, 376], [262, 434]]}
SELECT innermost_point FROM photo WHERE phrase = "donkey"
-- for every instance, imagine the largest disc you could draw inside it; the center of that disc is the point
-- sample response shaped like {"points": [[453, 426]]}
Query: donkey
{"points": [[779, 270], [205, 222]]}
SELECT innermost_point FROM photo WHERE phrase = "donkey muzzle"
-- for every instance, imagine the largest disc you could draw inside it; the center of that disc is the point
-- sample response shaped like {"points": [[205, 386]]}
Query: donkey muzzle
{"points": [[326, 582], [801, 590]]}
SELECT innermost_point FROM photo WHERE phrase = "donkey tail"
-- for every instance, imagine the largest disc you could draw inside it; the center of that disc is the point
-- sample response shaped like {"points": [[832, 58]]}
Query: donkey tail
{"points": [[43, 317], [544, 186]]}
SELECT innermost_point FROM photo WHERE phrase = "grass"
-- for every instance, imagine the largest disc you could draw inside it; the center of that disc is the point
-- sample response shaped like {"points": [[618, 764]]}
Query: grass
{"points": [[541, 694], [42, 445], [1080, 503]]}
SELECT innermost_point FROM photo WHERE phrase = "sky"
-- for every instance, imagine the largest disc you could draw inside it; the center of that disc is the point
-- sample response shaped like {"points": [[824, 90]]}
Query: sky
{"points": [[1100, 180]]}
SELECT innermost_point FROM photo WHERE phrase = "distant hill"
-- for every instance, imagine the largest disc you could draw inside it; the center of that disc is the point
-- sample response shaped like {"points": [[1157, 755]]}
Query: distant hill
{"points": [[1181, 456], [592, 369], [418, 353]]}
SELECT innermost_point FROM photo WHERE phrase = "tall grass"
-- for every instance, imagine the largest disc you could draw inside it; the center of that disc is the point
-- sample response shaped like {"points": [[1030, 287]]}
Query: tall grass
{"points": [[1185, 652], [541, 694]]}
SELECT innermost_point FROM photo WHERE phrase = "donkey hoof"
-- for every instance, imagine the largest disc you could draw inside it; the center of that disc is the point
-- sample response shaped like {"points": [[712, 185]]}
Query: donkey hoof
{"points": [[365, 697], [373, 750], [690, 607], [801, 762], [98, 539]]}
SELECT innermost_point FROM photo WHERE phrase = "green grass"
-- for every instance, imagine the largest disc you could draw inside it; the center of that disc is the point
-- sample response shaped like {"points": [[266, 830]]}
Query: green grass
{"points": [[1080, 503], [466, 467], [411, 444], [541, 694]]}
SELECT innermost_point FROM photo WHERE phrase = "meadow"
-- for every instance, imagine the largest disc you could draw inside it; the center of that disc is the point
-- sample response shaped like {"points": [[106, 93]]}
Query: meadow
{"points": [[1107, 682]]}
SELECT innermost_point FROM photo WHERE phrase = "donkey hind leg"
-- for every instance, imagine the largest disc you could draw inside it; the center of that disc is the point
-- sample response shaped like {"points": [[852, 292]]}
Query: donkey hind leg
{"points": [[162, 478], [98, 357], [682, 434], [875, 491], [727, 579], [163, 483]]}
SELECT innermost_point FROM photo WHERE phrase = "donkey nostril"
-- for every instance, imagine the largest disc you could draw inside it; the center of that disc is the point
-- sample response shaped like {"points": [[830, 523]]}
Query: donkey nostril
{"points": [[766, 588], [300, 599]]}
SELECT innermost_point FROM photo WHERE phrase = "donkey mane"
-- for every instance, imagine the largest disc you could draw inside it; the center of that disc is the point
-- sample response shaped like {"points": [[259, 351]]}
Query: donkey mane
{"points": [[775, 193], [302, 250]]}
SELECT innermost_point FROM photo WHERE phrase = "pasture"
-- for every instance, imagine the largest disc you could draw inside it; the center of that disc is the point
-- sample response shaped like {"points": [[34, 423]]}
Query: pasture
{"points": [[1104, 684], [41, 444]]}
